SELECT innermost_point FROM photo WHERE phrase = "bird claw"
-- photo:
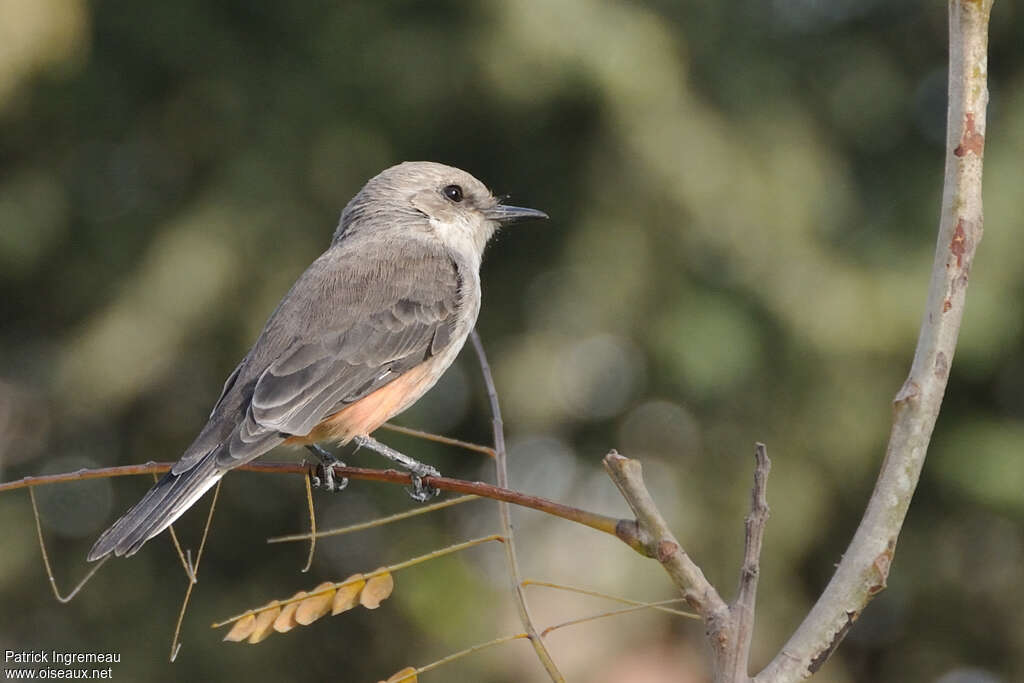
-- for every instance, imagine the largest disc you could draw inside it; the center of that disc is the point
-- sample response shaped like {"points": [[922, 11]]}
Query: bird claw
{"points": [[324, 478], [419, 491]]}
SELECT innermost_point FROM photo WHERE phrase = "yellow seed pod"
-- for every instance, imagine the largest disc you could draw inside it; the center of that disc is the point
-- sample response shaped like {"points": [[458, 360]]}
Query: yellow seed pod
{"points": [[406, 675], [376, 590], [285, 621], [242, 628], [265, 623], [315, 606], [347, 597]]}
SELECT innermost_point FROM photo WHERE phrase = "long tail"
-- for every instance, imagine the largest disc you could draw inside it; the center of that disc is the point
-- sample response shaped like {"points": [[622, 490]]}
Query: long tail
{"points": [[162, 504]]}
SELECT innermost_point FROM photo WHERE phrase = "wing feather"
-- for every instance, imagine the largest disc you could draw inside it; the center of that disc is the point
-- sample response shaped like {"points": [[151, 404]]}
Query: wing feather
{"points": [[354, 321], [369, 343]]}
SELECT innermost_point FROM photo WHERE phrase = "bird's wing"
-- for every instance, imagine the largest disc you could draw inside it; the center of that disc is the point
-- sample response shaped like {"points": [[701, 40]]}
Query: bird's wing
{"points": [[353, 322]]}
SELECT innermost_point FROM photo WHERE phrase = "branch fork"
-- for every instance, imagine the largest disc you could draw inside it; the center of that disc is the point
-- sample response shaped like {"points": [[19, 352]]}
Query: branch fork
{"points": [[730, 628]]}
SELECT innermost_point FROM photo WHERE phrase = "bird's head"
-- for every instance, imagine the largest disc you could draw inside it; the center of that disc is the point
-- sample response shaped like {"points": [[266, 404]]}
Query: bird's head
{"points": [[423, 195]]}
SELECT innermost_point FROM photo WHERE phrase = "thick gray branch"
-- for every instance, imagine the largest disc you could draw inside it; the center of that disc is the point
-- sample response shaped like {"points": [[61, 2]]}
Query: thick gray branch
{"points": [[865, 565]]}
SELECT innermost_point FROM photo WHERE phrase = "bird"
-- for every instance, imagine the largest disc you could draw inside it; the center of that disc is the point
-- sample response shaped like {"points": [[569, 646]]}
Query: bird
{"points": [[363, 333]]}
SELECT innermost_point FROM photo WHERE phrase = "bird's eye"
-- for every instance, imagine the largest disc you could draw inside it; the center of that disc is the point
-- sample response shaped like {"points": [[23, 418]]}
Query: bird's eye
{"points": [[453, 192]]}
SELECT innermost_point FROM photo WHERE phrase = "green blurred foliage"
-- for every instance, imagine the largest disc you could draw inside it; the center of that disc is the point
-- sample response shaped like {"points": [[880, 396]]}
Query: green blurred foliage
{"points": [[744, 199]]}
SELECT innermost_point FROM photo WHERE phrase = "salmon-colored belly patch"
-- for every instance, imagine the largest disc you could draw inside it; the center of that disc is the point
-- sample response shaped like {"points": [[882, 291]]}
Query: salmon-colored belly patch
{"points": [[371, 411]]}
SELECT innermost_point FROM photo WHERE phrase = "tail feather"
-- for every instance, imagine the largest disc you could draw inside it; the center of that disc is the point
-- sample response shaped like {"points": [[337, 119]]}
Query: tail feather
{"points": [[165, 502]]}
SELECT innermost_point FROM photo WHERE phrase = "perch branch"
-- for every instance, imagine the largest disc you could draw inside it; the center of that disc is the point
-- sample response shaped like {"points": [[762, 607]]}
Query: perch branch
{"points": [[603, 523]]}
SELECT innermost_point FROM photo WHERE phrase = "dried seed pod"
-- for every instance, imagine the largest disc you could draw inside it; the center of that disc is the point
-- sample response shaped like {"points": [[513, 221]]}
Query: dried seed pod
{"points": [[406, 675], [242, 628], [265, 623], [376, 590], [285, 621], [315, 606], [347, 597]]}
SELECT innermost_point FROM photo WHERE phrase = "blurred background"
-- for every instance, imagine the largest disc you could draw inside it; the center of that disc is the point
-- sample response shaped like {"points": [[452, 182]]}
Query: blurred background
{"points": [[744, 200]]}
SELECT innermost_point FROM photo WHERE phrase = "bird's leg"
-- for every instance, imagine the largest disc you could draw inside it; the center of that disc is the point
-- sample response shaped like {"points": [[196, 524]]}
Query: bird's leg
{"points": [[419, 492], [325, 470]]}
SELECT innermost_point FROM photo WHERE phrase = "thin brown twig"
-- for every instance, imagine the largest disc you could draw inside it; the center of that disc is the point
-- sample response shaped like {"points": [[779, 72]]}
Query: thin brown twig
{"points": [[104, 473], [612, 613], [520, 636], [312, 521], [185, 563], [460, 654], [175, 641], [603, 523], [501, 467], [437, 438], [46, 559], [380, 521], [606, 596]]}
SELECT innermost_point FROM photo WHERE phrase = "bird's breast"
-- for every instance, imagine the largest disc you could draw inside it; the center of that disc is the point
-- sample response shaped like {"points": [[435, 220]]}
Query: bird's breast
{"points": [[368, 413]]}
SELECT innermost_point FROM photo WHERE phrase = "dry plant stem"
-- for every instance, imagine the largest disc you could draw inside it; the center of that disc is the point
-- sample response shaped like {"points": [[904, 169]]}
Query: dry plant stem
{"points": [[612, 613], [865, 564], [181, 554], [613, 598], [380, 521], [175, 641], [46, 559], [390, 569], [312, 521], [186, 565], [462, 653], [501, 468], [437, 438], [519, 636]]}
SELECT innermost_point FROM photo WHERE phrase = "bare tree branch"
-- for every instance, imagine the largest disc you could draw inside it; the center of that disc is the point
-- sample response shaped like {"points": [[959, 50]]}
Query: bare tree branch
{"points": [[729, 628], [736, 663], [661, 544], [865, 564]]}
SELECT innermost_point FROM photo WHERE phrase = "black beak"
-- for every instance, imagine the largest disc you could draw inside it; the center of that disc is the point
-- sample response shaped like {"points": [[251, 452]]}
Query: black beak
{"points": [[506, 215]]}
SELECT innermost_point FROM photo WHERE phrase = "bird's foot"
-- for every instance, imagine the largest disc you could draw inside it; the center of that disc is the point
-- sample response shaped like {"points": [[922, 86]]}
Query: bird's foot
{"points": [[323, 477], [419, 491]]}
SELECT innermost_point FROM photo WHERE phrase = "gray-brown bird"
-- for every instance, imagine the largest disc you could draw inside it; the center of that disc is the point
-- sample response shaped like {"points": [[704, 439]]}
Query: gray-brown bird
{"points": [[365, 331]]}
